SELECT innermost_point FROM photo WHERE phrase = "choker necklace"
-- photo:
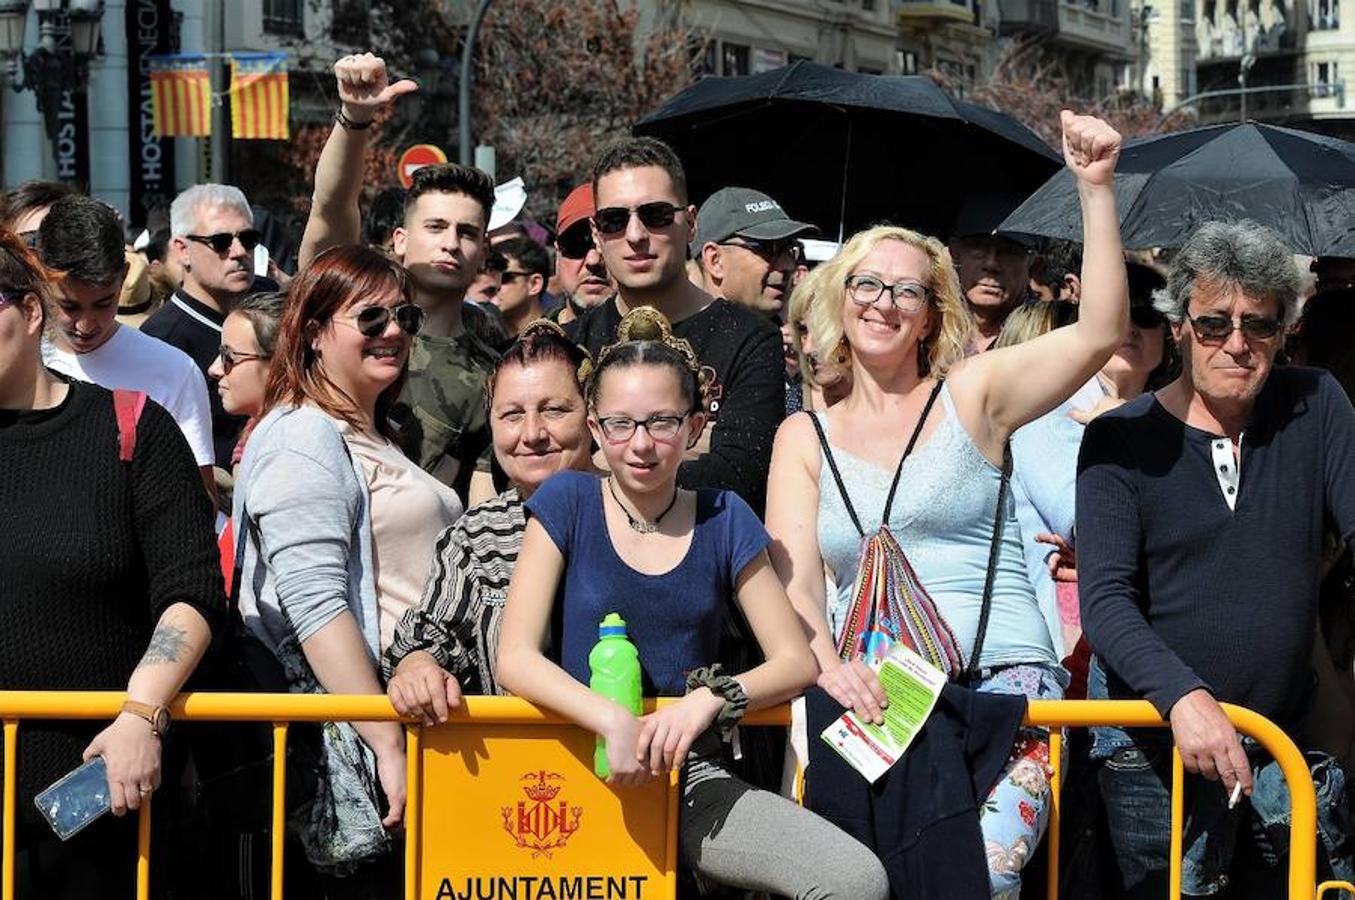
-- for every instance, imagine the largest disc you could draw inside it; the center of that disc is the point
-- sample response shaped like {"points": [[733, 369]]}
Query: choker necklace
{"points": [[640, 525]]}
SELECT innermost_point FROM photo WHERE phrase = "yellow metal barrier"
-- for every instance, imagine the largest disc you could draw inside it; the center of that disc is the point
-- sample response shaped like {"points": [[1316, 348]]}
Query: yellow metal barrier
{"points": [[483, 712]]}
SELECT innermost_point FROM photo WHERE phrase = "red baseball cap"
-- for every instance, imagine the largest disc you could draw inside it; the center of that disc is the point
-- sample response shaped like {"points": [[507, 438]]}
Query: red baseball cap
{"points": [[578, 206]]}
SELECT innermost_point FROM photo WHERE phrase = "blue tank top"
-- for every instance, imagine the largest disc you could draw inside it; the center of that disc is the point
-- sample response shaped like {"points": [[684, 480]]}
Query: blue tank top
{"points": [[943, 520]]}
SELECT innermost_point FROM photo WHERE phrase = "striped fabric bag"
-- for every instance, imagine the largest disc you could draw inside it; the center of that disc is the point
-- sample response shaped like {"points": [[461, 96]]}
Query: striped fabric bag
{"points": [[890, 606]]}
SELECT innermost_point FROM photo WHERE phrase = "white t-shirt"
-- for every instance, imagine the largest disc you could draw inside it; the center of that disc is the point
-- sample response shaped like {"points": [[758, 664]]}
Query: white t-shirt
{"points": [[132, 361]]}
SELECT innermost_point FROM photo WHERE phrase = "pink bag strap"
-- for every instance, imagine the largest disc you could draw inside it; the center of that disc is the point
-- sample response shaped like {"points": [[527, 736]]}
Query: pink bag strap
{"points": [[127, 406]]}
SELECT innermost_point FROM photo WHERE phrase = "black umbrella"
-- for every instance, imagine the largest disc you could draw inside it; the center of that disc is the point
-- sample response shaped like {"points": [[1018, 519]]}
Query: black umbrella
{"points": [[1300, 184], [845, 150]]}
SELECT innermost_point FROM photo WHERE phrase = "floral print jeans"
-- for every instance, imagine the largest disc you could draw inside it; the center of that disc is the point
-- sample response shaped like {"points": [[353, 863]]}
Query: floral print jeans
{"points": [[1014, 816]]}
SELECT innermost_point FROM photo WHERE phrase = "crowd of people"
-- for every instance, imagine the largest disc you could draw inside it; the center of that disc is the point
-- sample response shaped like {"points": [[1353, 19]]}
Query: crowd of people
{"points": [[428, 462]]}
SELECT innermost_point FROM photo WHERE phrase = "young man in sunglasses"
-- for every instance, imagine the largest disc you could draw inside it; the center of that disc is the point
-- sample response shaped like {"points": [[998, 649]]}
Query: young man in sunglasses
{"points": [[642, 227], [582, 275], [212, 237], [82, 238], [1201, 519], [522, 282], [441, 242]]}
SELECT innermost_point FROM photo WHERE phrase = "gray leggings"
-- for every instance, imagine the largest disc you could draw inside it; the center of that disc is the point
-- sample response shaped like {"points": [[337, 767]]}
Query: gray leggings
{"points": [[743, 837]]}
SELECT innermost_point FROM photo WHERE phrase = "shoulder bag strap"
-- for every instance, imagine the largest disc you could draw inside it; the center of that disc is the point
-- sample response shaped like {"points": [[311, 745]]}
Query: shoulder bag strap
{"points": [[837, 476], [994, 551]]}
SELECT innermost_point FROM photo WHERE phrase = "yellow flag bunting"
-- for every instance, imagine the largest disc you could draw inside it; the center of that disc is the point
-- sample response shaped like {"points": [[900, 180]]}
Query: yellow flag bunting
{"points": [[181, 95], [259, 96]]}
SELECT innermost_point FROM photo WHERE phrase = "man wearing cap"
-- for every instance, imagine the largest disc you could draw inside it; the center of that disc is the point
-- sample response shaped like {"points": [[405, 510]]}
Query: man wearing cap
{"points": [[583, 277], [994, 269], [748, 249]]}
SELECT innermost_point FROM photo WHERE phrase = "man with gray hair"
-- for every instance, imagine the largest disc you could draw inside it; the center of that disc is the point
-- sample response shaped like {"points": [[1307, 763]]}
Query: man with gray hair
{"points": [[212, 236], [1201, 515]]}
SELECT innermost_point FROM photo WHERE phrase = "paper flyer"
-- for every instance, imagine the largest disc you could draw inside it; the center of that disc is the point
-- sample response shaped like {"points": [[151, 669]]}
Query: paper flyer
{"points": [[912, 686]]}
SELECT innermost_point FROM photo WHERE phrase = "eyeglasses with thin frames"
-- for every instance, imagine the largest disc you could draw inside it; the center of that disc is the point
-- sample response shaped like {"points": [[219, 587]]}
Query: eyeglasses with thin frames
{"points": [[905, 296], [660, 427]]}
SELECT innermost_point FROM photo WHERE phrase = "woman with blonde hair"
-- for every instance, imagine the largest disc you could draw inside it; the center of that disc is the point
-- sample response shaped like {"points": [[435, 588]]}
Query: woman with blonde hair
{"points": [[821, 389], [912, 466]]}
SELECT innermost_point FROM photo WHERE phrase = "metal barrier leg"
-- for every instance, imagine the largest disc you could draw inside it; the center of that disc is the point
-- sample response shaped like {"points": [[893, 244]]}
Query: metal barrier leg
{"points": [[143, 849], [1055, 809], [671, 850], [279, 834], [11, 805], [1177, 822], [413, 811]]}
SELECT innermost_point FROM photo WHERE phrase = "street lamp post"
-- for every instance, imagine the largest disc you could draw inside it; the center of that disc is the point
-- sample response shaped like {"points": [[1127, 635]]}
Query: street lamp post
{"points": [[68, 38], [467, 149]]}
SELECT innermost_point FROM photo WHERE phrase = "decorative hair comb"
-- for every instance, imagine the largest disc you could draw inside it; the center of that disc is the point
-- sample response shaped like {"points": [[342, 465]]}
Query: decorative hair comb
{"points": [[546, 326]]}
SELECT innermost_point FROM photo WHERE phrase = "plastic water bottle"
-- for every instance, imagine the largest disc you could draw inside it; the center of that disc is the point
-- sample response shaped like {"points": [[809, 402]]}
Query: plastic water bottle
{"points": [[614, 672]]}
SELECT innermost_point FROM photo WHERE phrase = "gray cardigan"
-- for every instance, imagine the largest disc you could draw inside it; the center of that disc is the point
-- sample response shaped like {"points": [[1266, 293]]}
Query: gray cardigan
{"points": [[309, 553]]}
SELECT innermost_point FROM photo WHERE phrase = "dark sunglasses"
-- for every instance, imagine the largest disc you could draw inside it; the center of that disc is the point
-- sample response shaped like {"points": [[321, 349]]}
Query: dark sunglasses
{"points": [[575, 241], [614, 219], [511, 275], [768, 250], [221, 242], [371, 321], [1220, 328], [230, 359], [1146, 317]]}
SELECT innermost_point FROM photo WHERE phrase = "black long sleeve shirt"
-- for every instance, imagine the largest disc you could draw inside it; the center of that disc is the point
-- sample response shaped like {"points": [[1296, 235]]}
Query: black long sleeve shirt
{"points": [[94, 551], [742, 350], [1180, 592]]}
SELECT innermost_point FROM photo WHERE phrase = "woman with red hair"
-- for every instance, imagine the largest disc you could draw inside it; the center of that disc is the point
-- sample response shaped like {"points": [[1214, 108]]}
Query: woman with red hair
{"points": [[339, 532]]}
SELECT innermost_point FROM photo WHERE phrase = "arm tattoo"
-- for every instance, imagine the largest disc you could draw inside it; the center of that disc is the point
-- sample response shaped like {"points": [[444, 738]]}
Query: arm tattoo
{"points": [[167, 645]]}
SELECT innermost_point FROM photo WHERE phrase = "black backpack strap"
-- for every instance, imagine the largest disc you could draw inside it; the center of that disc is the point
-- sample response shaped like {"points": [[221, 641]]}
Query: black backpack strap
{"points": [[921, 421], [994, 551], [837, 476]]}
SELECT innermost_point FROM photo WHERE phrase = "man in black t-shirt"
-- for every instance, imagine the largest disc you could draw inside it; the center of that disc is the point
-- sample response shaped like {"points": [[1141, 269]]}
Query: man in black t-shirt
{"points": [[212, 236], [642, 227], [747, 249]]}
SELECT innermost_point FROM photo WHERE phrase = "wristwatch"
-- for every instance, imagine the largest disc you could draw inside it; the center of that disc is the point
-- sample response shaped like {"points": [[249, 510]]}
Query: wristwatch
{"points": [[158, 716]]}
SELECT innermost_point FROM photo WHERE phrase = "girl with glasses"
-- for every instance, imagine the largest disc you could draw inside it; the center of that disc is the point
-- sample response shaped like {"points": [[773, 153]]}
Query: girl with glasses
{"points": [[669, 560], [248, 338], [337, 531]]}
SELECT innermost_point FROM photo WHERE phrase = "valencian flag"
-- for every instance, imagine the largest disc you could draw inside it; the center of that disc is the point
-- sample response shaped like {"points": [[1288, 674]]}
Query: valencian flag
{"points": [[259, 96], [181, 95]]}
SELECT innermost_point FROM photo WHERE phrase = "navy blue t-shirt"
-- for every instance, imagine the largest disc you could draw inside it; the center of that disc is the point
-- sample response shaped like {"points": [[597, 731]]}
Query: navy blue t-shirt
{"points": [[674, 618]]}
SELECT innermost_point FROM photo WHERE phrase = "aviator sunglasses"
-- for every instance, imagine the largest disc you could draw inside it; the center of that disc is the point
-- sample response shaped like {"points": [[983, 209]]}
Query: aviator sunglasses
{"points": [[371, 321], [221, 241], [1213, 328], [614, 219]]}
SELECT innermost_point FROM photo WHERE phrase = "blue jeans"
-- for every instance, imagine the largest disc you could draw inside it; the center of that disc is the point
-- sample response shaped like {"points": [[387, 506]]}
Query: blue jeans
{"points": [[1135, 783]]}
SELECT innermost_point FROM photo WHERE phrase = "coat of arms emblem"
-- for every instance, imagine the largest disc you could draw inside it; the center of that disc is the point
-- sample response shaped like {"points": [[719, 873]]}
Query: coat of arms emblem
{"points": [[540, 823]]}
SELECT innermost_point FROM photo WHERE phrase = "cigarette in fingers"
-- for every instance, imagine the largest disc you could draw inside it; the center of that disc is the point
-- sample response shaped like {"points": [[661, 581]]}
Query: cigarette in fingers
{"points": [[1237, 794]]}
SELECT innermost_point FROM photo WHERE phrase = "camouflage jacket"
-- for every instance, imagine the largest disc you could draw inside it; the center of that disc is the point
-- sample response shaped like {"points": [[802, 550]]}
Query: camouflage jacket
{"points": [[441, 411]]}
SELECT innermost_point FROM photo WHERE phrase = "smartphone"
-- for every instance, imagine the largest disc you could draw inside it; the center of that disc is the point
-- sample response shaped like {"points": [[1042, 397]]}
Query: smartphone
{"points": [[260, 261], [76, 799]]}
